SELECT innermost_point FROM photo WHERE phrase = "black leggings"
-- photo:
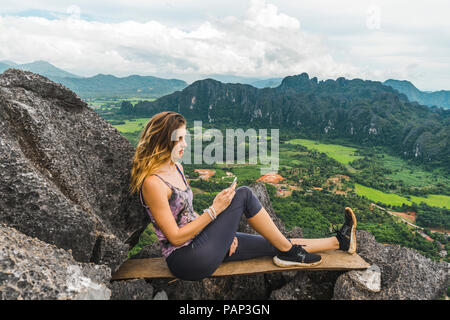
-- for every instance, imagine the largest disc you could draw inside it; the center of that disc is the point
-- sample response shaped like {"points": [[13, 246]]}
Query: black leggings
{"points": [[210, 247]]}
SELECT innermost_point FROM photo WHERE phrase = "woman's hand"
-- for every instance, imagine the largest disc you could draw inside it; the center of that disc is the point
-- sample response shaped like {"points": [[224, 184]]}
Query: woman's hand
{"points": [[223, 199], [233, 246]]}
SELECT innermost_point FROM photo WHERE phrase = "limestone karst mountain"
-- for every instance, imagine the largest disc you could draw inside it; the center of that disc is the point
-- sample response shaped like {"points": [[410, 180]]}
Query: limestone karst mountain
{"points": [[361, 112]]}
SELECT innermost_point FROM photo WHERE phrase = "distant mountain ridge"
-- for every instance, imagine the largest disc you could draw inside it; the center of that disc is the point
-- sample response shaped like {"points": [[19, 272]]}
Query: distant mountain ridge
{"points": [[101, 86], [255, 82], [109, 86], [41, 67], [267, 83], [363, 112], [439, 98]]}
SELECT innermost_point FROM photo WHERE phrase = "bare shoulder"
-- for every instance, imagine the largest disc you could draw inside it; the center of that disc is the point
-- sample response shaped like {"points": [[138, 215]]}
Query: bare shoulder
{"points": [[153, 186], [151, 181]]}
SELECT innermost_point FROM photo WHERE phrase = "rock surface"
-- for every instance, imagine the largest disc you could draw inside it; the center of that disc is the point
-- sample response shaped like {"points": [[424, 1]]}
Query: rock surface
{"points": [[308, 285], [369, 279], [31, 269], [136, 289], [162, 295], [249, 287], [405, 273], [64, 172]]}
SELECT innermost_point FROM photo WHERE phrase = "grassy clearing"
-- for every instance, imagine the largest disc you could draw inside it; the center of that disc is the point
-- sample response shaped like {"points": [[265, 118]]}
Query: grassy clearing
{"points": [[102, 102], [245, 172], [289, 157], [380, 196], [433, 200], [412, 175], [133, 101], [340, 153], [132, 125]]}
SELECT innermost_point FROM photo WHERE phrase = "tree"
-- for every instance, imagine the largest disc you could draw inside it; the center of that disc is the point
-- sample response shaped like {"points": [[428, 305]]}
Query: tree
{"points": [[126, 107]]}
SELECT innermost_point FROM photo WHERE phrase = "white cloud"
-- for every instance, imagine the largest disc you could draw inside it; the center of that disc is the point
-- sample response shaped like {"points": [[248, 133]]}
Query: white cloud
{"points": [[261, 14], [263, 43], [186, 39]]}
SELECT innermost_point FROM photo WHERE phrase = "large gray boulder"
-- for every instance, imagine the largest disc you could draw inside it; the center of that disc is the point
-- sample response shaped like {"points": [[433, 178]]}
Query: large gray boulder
{"points": [[64, 172], [405, 274], [31, 269], [308, 285], [134, 289]]}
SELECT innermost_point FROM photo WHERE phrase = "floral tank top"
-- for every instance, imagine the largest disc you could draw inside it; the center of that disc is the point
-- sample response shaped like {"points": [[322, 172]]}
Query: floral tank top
{"points": [[180, 203]]}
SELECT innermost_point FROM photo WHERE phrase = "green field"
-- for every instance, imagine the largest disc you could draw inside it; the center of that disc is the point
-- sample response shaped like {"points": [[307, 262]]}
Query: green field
{"points": [[396, 200], [132, 125], [412, 175], [434, 200], [342, 154], [379, 196], [290, 158], [245, 172], [101, 102]]}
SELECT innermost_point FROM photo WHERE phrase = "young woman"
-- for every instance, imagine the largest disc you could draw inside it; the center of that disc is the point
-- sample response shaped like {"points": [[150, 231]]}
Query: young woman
{"points": [[195, 245]]}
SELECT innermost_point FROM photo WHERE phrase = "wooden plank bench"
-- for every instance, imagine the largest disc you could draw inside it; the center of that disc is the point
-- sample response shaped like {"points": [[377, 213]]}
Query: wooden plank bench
{"points": [[157, 267]]}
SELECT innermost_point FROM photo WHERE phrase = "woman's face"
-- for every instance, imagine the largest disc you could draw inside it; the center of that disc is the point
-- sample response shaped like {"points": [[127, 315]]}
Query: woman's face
{"points": [[179, 136]]}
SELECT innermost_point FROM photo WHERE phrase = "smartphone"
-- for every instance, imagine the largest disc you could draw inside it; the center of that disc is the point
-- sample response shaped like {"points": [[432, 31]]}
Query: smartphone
{"points": [[233, 183]]}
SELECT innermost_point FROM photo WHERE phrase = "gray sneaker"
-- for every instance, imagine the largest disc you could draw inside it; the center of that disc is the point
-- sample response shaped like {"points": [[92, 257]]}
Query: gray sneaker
{"points": [[296, 256]]}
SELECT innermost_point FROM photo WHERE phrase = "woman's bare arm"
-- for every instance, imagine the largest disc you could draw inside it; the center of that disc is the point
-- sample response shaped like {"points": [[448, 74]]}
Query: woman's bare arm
{"points": [[155, 192]]}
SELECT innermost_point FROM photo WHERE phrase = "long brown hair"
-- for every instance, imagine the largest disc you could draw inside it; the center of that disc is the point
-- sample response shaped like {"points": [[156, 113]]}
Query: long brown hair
{"points": [[154, 147]]}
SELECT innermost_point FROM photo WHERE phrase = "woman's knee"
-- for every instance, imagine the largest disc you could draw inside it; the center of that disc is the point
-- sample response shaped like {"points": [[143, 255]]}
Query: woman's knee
{"points": [[241, 196], [243, 191], [252, 203]]}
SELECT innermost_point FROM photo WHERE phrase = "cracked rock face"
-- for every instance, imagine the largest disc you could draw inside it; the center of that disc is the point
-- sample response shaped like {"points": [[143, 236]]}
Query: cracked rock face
{"points": [[135, 289], [369, 279], [405, 274], [31, 269], [64, 172]]}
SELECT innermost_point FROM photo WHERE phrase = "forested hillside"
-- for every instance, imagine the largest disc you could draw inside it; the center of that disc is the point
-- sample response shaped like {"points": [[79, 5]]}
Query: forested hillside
{"points": [[362, 112]]}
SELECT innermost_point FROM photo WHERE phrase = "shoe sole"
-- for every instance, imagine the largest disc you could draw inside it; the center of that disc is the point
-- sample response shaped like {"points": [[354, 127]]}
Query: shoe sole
{"points": [[352, 248], [287, 264]]}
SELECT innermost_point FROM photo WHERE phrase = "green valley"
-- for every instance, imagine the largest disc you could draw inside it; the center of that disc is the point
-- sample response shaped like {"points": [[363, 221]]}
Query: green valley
{"points": [[321, 179]]}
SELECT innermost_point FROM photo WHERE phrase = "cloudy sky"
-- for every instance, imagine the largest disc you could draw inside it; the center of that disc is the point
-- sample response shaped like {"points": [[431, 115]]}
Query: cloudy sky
{"points": [[374, 40]]}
